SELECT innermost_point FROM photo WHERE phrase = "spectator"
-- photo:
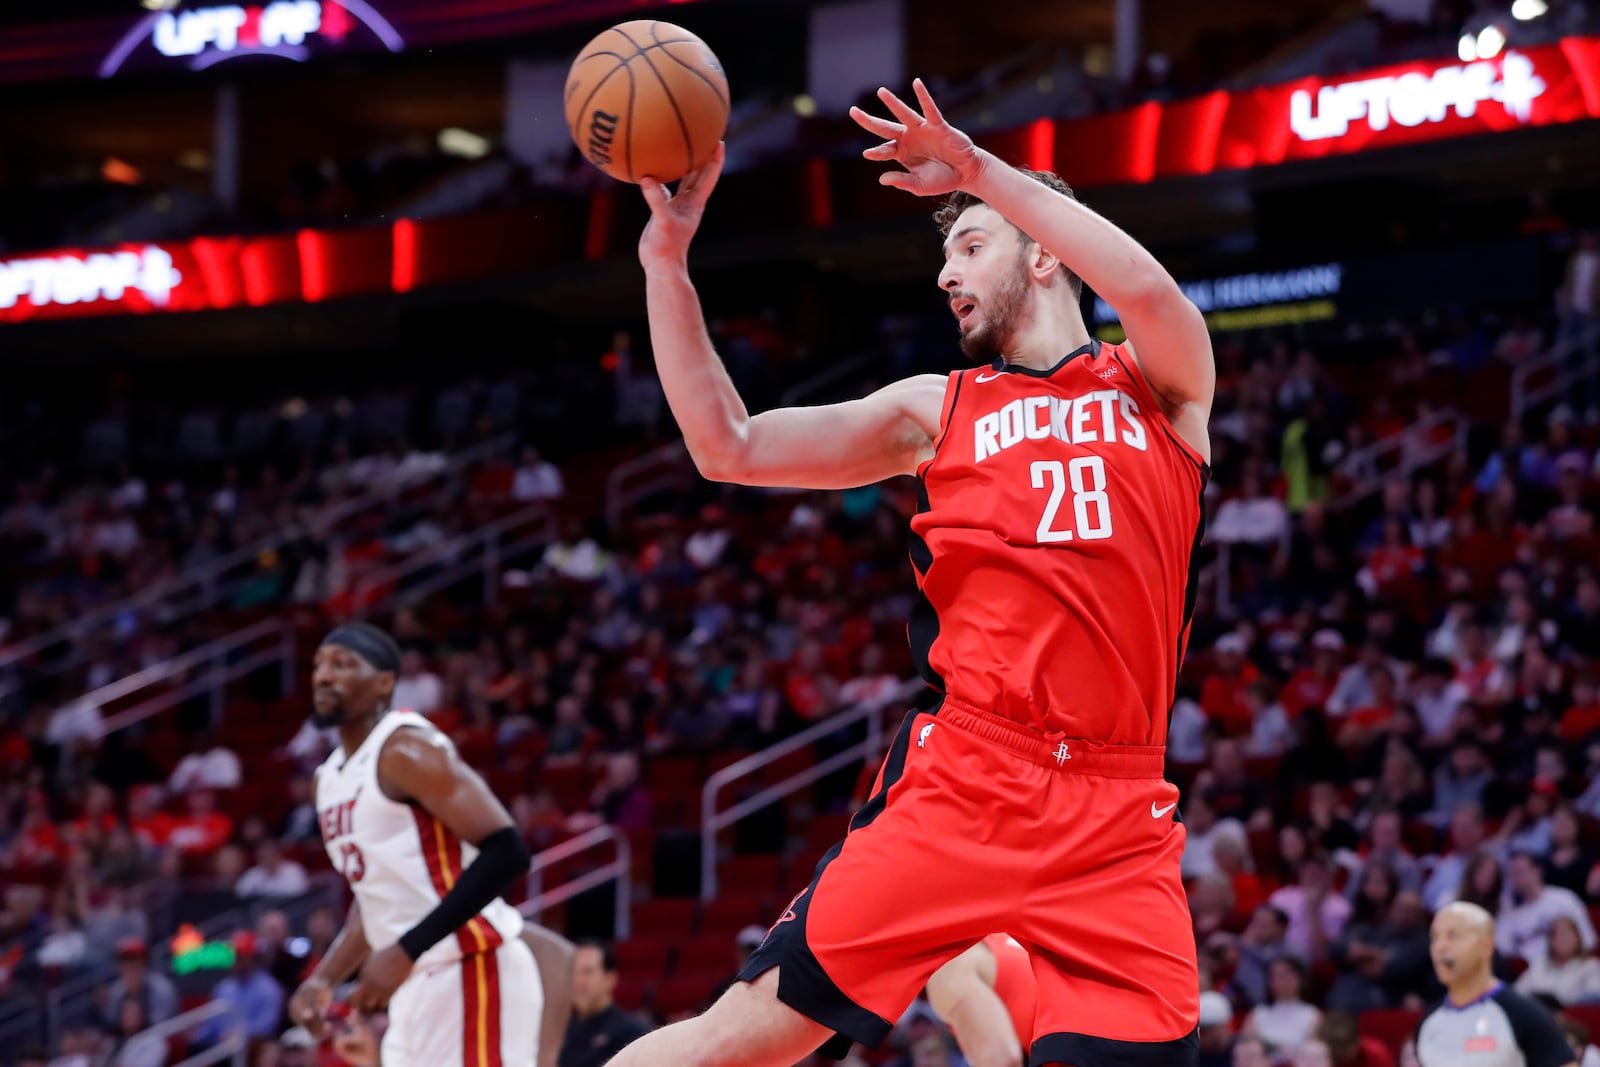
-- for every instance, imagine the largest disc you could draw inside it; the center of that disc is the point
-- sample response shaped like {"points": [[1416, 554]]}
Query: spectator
{"points": [[1223, 695], [1461, 780], [1466, 837], [1568, 862], [1385, 845], [1230, 789], [1437, 697], [536, 479], [417, 689], [1346, 1046], [154, 991], [255, 999], [599, 1029], [1383, 952], [1215, 1033], [1250, 1052], [1316, 914], [1526, 918], [274, 875], [210, 766], [203, 830], [1313, 1053], [1567, 971], [1310, 687], [1286, 1021], [1205, 829], [133, 1047], [1260, 946]]}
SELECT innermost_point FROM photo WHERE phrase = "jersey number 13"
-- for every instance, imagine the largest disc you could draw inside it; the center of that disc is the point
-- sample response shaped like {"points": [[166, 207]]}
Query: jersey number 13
{"points": [[1091, 510]]}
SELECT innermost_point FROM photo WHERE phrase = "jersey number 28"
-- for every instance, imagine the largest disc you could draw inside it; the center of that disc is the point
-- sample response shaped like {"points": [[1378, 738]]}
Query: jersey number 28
{"points": [[1091, 510]]}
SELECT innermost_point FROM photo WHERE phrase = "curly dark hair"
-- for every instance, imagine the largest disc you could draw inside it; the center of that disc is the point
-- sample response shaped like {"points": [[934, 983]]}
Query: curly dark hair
{"points": [[953, 205]]}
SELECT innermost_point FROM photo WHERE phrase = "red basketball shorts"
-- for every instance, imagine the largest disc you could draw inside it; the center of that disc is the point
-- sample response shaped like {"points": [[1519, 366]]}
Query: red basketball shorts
{"points": [[976, 826]]}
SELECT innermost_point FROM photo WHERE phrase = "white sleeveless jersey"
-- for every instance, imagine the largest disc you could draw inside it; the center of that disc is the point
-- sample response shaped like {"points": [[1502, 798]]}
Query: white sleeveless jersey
{"points": [[399, 860]]}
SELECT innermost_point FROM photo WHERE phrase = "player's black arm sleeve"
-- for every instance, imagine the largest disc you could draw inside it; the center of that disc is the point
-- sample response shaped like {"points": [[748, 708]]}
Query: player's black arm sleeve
{"points": [[1538, 1035], [502, 856]]}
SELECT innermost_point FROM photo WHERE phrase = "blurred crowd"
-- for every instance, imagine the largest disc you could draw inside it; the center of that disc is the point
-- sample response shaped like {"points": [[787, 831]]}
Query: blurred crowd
{"points": [[1391, 698]]}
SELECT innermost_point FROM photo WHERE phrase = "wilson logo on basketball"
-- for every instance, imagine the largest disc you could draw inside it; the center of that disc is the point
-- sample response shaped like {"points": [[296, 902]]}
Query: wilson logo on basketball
{"points": [[602, 131]]}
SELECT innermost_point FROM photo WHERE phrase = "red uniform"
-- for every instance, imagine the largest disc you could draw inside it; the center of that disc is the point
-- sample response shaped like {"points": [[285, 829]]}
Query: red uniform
{"points": [[1053, 547], [1014, 984]]}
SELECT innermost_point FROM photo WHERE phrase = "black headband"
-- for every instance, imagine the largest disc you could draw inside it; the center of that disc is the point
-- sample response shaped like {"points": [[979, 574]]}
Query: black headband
{"points": [[368, 642]]}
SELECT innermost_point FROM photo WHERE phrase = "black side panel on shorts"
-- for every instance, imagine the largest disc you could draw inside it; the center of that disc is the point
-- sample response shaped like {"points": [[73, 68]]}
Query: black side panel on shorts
{"points": [[802, 983], [1080, 1050], [923, 629]]}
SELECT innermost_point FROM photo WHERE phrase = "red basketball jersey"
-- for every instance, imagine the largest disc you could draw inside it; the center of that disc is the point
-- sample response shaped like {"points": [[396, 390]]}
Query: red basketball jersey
{"points": [[1056, 532]]}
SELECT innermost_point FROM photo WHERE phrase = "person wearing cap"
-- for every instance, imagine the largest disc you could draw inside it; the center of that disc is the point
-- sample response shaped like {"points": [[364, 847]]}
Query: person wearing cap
{"points": [[988, 998], [256, 999], [1310, 687], [136, 979], [1482, 1022], [1216, 1030], [427, 850]]}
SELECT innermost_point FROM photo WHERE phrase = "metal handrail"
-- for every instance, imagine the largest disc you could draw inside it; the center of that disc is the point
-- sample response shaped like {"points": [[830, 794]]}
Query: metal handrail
{"points": [[454, 555], [213, 654], [630, 482], [231, 1047], [1414, 450], [1525, 397], [326, 888], [619, 870], [208, 578], [712, 822]]}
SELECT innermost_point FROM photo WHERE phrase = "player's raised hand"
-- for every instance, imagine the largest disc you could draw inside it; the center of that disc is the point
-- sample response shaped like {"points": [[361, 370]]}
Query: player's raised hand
{"points": [[937, 157], [309, 1005], [381, 975], [675, 216]]}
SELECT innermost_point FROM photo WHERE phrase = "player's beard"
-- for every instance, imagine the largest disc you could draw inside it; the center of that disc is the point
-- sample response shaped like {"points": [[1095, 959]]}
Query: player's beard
{"points": [[328, 720], [1002, 314]]}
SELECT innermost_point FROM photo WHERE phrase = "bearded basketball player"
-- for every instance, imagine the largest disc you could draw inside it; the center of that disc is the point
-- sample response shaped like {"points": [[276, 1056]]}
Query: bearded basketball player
{"points": [[1060, 487], [427, 850]]}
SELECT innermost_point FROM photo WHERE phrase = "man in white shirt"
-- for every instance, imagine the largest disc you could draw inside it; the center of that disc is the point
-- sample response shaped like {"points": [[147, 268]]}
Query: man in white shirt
{"points": [[418, 689], [273, 875], [1524, 928], [213, 767], [536, 479]]}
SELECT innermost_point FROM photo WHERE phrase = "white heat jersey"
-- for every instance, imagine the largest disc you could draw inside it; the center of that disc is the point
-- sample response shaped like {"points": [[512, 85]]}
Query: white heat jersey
{"points": [[399, 860]]}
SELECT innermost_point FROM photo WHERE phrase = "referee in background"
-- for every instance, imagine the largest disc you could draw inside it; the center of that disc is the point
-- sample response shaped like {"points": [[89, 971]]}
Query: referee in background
{"points": [[1482, 1023]]}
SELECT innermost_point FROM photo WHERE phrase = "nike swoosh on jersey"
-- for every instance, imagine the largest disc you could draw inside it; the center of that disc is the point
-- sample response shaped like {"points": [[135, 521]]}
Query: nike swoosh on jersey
{"points": [[1159, 812], [980, 379]]}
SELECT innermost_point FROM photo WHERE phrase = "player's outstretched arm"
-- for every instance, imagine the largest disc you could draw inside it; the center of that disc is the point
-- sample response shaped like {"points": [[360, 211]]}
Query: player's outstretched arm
{"points": [[1167, 331], [423, 769], [309, 1005], [962, 993], [833, 447], [553, 955]]}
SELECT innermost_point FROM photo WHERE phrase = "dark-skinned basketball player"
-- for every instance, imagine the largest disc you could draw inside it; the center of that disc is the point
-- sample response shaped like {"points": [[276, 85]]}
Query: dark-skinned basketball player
{"points": [[427, 850], [1060, 507]]}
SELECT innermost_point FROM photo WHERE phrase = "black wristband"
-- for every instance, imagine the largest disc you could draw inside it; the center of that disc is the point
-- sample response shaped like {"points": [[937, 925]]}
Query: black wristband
{"points": [[502, 856]]}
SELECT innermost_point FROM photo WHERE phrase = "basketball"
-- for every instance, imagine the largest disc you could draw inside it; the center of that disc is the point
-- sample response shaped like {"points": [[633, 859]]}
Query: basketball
{"points": [[646, 99]]}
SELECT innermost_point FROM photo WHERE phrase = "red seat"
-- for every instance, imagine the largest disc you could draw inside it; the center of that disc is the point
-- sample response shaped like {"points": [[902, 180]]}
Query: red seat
{"points": [[1392, 1026], [687, 993], [732, 912], [802, 867], [706, 953], [644, 958], [673, 776], [630, 991], [664, 916], [824, 831], [749, 875]]}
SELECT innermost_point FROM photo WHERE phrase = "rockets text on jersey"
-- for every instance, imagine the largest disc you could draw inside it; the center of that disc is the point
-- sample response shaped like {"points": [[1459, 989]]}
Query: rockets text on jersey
{"points": [[1057, 525]]}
